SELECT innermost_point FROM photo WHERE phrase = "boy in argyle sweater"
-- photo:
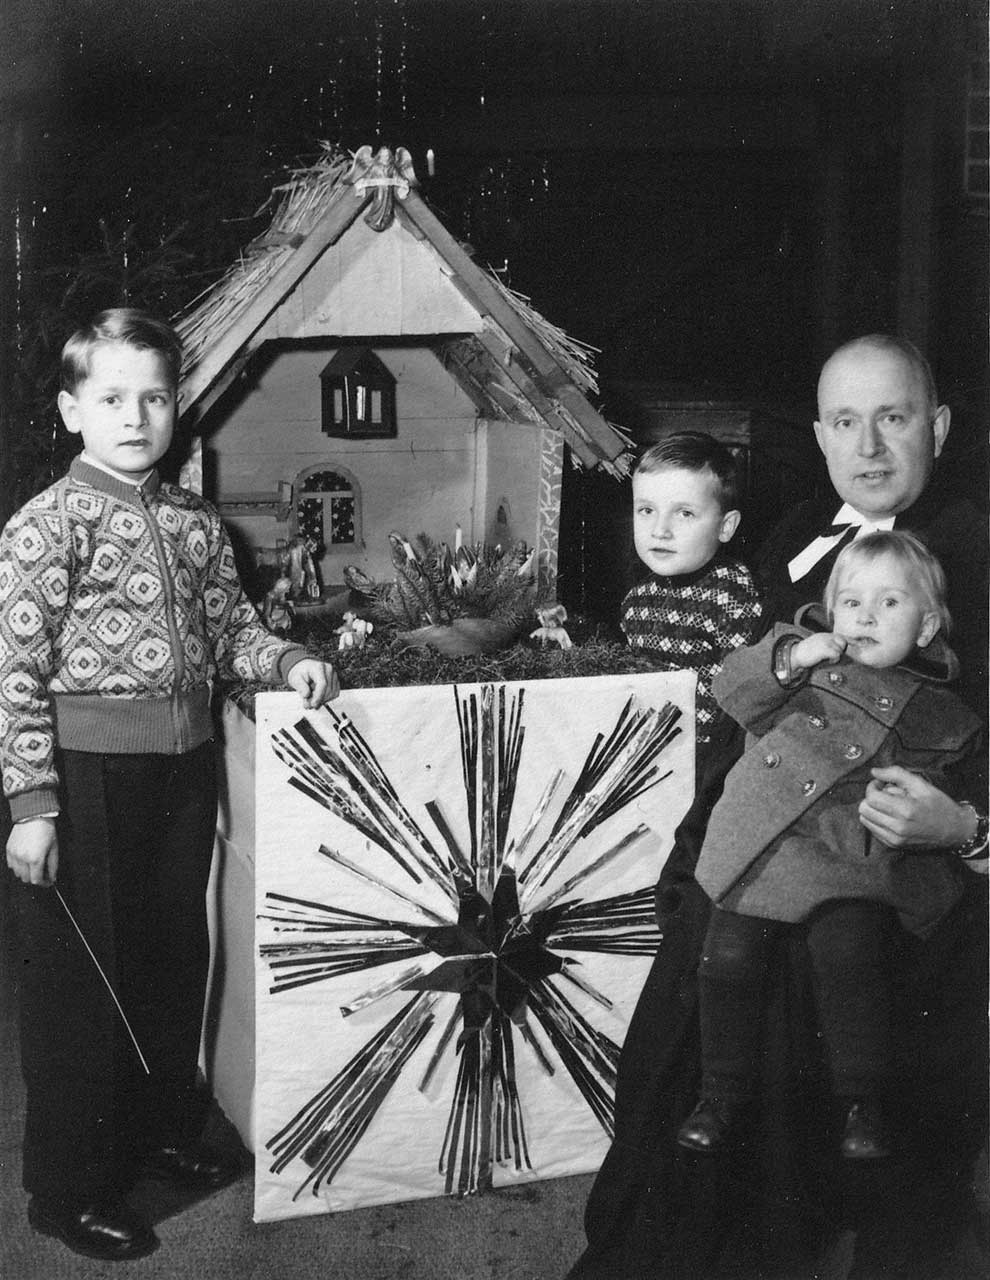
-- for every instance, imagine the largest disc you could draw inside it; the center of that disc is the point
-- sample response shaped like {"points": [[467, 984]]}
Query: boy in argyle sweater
{"points": [[698, 603], [119, 605]]}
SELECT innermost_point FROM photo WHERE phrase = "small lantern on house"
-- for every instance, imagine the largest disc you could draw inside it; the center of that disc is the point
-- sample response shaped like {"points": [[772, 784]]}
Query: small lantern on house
{"points": [[358, 395]]}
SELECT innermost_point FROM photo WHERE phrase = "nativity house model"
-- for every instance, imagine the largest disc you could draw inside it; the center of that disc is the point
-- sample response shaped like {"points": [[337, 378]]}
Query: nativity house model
{"points": [[355, 373]]}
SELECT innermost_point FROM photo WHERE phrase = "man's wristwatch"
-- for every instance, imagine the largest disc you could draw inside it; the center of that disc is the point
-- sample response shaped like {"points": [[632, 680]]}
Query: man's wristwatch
{"points": [[976, 846]]}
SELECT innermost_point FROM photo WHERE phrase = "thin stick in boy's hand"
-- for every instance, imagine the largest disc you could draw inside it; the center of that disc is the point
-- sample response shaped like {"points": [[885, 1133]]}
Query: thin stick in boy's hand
{"points": [[106, 980]]}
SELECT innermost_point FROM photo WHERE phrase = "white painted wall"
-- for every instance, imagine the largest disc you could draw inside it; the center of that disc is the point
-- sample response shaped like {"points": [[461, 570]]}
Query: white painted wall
{"points": [[513, 473], [446, 467]]}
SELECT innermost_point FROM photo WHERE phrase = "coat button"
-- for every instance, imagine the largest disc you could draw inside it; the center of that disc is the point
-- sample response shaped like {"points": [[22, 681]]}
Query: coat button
{"points": [[883, 702], [809, 786], [852, 751], [836, 677], [817, 722], [771, 760]]}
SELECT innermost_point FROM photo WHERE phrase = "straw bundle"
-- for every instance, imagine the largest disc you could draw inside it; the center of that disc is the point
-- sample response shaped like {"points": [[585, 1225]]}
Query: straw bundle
{"points": [[576, 358], [299, 204]]}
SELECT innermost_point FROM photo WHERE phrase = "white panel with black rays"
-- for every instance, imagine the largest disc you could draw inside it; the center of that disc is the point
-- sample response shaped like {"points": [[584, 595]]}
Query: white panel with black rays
{"points": [[455, 917]]}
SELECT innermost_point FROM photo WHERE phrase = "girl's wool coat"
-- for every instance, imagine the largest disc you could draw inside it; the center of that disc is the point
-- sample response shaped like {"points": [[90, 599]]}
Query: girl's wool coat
{"points": [[785, 837]]}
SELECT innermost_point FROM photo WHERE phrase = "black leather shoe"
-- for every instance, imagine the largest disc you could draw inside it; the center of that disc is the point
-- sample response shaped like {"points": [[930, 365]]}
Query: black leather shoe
{"points": [[105, 1229], [863, 1133], [197, 1167], [706, 1126]]}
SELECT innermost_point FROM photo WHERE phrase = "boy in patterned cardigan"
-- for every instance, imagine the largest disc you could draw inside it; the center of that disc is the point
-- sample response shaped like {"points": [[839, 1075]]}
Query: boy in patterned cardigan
{"points": [[699, 603], [119, 603]]}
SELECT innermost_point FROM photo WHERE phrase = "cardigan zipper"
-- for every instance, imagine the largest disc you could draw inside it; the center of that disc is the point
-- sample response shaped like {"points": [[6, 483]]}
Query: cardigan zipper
{"points": [[178, 653]]}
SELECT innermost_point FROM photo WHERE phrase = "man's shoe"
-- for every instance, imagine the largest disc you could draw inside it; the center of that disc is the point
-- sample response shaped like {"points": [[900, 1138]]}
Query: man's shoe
{"points": [[196, 1167], [707, 1125], [104, 1229], [863, 1134]]}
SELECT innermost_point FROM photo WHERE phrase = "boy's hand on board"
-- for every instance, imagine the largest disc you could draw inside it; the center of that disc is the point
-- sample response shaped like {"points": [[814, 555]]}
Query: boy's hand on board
{"points": [[315, 681]]}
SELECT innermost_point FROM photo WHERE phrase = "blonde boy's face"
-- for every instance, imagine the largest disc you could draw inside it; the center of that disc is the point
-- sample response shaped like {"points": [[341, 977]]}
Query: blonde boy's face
{"points": [[881, 612], [124, 409], [678, 521]]}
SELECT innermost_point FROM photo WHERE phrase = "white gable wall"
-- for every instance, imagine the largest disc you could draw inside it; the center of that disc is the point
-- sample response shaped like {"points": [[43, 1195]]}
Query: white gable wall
{"points": [[373, 282]]}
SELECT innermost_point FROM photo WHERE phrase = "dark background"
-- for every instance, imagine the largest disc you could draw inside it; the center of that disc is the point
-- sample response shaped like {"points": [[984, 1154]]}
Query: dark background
{"points": [[713, 192]]}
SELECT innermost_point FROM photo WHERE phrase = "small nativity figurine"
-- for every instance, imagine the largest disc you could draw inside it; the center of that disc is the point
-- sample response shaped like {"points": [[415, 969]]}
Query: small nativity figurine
{"points": [[277, 609], [299, 567], [551, 619], [354, 632]]}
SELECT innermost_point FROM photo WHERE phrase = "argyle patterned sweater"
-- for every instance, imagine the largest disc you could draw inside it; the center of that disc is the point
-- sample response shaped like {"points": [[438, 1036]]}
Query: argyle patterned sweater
{"points": [[692, 620], [119, 604]]}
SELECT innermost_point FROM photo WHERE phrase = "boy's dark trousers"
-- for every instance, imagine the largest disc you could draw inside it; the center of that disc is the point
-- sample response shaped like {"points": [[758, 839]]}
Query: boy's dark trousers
{"points": [[852, 995], [135, 846]]}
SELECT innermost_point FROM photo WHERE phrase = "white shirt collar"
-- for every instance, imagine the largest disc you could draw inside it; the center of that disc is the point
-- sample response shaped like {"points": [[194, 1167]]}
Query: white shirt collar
{"points": [[867, 524]]}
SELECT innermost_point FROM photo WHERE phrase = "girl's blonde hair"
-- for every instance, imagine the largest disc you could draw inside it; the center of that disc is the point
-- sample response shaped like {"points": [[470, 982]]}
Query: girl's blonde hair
{"points": [[912, 554]]}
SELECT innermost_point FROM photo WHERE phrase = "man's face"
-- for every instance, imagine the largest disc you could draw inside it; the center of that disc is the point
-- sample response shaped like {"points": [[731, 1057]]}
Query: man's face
{"points": [[124, 409], [876, 430]]}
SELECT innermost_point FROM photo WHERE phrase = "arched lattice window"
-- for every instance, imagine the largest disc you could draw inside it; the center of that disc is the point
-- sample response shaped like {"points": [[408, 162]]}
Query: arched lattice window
{"points": [[327, 509]]}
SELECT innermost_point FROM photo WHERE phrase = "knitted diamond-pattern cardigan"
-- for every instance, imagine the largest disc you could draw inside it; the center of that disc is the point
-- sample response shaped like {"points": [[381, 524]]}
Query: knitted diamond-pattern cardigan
{"points": [[692, 620], [119, 604]]}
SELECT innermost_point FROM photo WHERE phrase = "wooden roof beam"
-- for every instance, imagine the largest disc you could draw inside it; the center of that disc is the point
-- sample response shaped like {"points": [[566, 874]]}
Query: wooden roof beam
{"points": [[541, 402], [550, 380], [246, 323]]}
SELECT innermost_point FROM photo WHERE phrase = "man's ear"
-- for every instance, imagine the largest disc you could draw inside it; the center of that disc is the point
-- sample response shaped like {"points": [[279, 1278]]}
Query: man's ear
{"points": [[940, 427], [68, 408], [730, 523], [819, 431], [929, 629]]}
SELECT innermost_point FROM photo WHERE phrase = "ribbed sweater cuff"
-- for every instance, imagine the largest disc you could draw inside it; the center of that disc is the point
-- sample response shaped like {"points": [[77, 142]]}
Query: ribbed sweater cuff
{"points": [[32, 804], [288, 660]]}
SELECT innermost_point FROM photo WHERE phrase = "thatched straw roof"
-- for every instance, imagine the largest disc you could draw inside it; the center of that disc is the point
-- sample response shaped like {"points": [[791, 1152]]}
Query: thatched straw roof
{"points": [[520, 367]]}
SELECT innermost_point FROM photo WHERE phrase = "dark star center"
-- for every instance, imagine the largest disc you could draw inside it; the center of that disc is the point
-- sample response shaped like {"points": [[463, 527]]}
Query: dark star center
{"points": [[497, 952]]}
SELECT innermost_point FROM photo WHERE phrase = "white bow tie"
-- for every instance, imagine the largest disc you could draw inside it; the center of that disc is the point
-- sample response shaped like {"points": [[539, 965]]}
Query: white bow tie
{"points": [[845, 518]]}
